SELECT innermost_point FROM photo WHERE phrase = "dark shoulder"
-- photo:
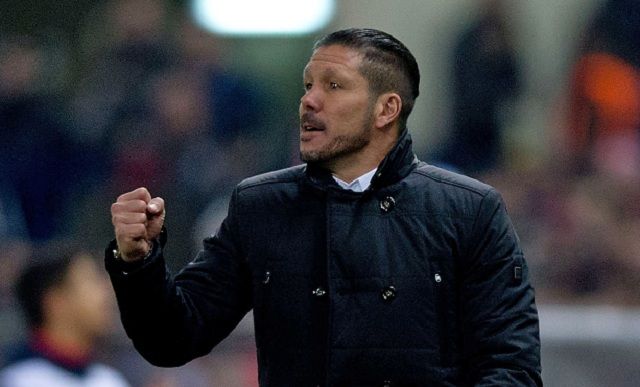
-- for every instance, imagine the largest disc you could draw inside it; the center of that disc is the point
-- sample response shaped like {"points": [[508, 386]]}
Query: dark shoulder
{"points": [[282, 176], [451, 181], [452, 194], [263, 192]]}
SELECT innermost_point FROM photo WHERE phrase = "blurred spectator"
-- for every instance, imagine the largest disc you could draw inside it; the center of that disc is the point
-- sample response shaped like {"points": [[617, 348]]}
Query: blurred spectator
{"points": [[36, 156], [486, 78], [587, 244], [132, 47], [140, 47], [126, 44], [236, 102], [68, 308], [604, 107]]}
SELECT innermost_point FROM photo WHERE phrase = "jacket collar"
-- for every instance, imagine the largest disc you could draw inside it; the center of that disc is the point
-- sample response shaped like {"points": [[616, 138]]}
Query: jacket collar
{"points": [[396, 165]]}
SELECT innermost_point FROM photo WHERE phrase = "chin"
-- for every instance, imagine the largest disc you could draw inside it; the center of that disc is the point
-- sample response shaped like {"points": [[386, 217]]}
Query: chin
{"points": [[311, 156], [308, 153], [307, 158]]}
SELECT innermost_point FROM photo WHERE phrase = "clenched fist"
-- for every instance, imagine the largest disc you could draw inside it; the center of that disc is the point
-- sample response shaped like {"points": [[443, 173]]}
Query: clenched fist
{"points": [[137, 220]]}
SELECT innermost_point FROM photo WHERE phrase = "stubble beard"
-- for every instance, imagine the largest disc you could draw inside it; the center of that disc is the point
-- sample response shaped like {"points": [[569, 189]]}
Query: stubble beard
{"points": [[337, 148], [342, 145]]}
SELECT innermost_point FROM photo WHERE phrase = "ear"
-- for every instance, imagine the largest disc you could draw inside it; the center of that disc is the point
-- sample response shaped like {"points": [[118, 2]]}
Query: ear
{"points": [[388, 109]]}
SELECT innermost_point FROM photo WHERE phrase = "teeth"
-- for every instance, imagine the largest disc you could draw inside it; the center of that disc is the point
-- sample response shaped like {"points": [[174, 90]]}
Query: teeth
{"points": [[310, 127]]}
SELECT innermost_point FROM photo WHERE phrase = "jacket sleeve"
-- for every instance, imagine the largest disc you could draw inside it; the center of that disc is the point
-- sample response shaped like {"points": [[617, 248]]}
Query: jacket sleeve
{"points": [[174, 319], [499, 317]]}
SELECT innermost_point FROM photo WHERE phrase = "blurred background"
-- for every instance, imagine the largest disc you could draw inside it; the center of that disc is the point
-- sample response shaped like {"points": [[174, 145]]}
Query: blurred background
{"points": [[539, 98]]}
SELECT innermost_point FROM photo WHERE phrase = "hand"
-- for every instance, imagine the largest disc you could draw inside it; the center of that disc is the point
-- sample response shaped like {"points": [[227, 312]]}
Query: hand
{"points": [[137, 220]]}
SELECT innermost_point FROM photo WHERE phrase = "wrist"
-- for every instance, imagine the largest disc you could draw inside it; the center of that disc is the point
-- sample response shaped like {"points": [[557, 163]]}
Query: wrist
{"points": [[117, 254]]}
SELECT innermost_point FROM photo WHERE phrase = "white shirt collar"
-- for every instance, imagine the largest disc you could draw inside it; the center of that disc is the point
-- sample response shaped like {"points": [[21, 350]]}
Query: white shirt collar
{"points": [[358, 185]]}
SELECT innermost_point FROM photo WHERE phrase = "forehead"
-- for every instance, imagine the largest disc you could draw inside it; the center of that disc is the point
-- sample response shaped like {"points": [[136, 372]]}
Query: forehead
{"points": [[82, 268], [334, 58]]}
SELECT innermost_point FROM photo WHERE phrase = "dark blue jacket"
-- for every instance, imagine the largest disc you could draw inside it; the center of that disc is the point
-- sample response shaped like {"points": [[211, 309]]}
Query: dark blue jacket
{"points": [[418, 281]]}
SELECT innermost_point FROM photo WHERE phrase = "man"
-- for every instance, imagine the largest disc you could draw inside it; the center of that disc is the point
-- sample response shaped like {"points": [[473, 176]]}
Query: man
{"points": [[66, 303], [486, 80], [364, 267]]}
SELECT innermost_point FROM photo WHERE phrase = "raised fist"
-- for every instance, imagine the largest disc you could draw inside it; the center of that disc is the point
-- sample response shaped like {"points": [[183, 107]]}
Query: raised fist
{"points": [[137, 220]]}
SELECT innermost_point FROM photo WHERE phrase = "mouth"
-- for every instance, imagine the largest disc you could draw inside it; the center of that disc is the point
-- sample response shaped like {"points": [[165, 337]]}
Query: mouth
{"points": [[310, 128], [311, 124]]}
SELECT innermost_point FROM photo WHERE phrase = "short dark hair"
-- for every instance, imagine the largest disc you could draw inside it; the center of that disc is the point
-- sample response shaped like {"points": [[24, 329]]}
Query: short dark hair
{"points": [[387, 64], [45, 271]]}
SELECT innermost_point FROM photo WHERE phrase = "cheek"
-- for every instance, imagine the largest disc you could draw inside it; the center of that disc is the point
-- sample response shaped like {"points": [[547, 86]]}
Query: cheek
{"points": [[353, 119], [343, 116], [95, 300]]}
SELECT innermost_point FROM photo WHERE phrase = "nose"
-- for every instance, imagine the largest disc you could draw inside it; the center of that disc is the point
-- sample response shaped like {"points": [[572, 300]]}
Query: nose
{"points": [[310, 101]]}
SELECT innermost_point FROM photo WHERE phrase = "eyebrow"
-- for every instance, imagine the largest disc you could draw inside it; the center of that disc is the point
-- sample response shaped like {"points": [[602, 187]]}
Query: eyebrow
{"points": [[327, 72]]}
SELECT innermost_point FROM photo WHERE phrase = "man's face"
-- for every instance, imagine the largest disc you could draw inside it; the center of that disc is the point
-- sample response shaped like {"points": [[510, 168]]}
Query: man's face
{"points": [[87, 299], [336, 109]]}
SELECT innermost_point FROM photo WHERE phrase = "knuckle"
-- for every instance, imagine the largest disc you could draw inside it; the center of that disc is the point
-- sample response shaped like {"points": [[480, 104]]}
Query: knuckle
{"points": [[116, 207], [124, 197], [118, 219], [134, 205], [140, 205], [144, 194]]}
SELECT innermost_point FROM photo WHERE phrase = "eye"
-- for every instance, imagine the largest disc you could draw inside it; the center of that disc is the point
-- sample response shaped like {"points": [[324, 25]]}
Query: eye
{"points": [[334, 85], [307, 86]]}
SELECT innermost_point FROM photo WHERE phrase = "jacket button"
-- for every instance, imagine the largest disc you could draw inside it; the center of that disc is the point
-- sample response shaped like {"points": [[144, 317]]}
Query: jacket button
{"points": [[387, 204], [319, 292], [388, 293]]}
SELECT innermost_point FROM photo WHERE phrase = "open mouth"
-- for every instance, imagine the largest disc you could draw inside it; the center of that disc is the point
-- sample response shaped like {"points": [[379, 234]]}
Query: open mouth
{"points": [[311, 128], [310, 124]]}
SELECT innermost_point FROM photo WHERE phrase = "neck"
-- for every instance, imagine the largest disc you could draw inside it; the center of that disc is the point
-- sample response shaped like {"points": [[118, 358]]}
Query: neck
{"points": [[354, 169]]}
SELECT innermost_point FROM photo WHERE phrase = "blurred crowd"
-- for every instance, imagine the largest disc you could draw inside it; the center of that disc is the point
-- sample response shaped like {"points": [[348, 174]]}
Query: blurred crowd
{"points": [[150, 105], [147, 101], [576, 207]]}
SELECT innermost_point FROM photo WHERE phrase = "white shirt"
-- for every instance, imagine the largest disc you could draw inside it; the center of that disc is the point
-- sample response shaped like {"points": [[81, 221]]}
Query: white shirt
{"points": [[38, 372], [360, 184]]}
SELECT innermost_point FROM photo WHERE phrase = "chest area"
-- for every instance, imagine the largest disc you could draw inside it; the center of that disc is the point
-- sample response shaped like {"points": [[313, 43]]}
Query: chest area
{"points": [[374, 237]]}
